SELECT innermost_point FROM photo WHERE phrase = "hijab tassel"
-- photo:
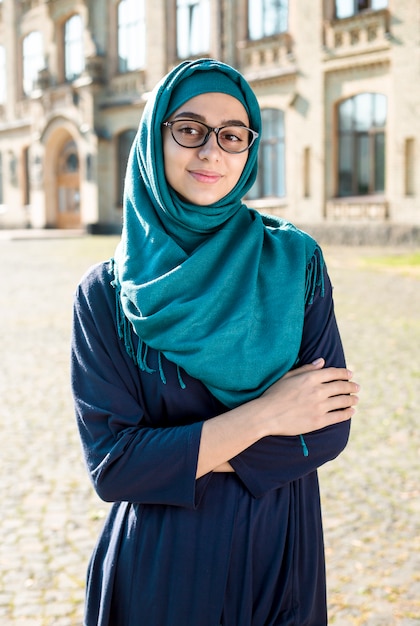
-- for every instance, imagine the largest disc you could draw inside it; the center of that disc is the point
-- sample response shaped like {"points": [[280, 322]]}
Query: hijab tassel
{"points": [[314, 276], [304, 446], [141, 357], [123, 325], [161, 372], [180, 379]]}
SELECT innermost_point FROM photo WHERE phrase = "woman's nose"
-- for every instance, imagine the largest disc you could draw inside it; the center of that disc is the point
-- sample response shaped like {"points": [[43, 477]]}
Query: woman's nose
{"points": [[211, 145]]}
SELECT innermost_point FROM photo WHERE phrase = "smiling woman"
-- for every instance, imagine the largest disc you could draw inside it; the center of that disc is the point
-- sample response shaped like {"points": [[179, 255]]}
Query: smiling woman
{"points": [[209, 380], [209, 172]]}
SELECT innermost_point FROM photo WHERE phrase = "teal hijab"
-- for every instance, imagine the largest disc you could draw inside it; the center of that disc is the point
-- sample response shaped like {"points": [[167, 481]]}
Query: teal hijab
{"points": [[220, 290]]}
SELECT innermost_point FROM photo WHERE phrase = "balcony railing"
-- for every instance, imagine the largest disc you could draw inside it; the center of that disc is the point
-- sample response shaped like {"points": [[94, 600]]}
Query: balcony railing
{"points": [[369, 208], [268, 57], [128, 83], [358, 34]]}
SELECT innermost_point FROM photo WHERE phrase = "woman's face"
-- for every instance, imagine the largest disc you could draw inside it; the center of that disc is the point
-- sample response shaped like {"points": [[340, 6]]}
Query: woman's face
{"points": [[205, 174]]}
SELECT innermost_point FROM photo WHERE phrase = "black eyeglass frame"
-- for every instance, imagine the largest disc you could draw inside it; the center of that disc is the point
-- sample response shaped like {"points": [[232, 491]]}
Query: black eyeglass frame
{"points": [[211, 130]]}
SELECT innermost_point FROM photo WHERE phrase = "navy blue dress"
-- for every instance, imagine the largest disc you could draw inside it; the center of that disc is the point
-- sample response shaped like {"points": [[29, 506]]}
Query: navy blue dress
{"points": [[231, 549]]}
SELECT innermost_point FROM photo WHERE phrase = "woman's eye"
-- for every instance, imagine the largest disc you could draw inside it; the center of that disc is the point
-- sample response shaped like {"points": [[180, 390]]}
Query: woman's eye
{"points": [[232, 137], [186, 130], [190, 130]]}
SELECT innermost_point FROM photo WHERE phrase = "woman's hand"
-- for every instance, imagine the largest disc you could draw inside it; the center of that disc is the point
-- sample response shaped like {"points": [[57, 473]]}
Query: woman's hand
{"points": [[306, 399], [309, 398]]}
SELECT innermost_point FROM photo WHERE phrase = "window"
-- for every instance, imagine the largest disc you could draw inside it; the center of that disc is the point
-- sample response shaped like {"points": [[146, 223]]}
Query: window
{"points": [[13, 168], [361, 145], [74, 62], [267, 17], [271, 165], [33, 60], [193, 27], [2, 75], [131, 35], [125, 141], [409, 169], [347, 8], [26, 191]]}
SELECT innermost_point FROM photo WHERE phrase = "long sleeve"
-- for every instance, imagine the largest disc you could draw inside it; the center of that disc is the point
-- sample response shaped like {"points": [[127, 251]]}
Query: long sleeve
{"points": [[128, 458], [275, 461]]}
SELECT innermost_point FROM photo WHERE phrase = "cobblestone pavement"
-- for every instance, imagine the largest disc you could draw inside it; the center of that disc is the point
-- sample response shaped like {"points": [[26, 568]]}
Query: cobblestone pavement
{"points": [[51, 516]]}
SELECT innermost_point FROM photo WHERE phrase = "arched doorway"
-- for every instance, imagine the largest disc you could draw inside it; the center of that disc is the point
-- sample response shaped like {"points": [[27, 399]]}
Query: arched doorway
{"points": [[68, 187]]}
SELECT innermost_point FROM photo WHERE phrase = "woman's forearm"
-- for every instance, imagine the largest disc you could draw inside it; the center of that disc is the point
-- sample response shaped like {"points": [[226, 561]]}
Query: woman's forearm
{"points": [[227, 435]]}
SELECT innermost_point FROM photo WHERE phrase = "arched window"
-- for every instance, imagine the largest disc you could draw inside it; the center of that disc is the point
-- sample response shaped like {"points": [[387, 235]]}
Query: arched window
{"points": [[271, 166], [33, 60], [193, 27], [361, 145], [125, 141], [69, 159], [74, 61], [347, 8], [131, 35], [267, 17]]}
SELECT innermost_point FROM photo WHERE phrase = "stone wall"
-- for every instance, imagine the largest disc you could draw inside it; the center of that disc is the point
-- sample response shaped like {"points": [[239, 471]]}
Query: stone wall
{"points": [[364, 234]]}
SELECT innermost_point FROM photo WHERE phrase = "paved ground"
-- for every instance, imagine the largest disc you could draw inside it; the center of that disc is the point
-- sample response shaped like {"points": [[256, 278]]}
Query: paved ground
{"points": [[50, 515]]}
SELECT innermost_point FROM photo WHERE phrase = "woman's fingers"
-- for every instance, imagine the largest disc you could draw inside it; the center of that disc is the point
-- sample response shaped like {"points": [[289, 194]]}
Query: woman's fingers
{"points": [[318, 373], [335, 417], [337, 403], [310, 398], [309, 367], [340, 387], [334, 395]]}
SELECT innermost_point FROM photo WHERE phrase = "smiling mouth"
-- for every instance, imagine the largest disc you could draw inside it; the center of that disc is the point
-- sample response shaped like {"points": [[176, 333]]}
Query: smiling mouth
{"points": [[205, 177]]}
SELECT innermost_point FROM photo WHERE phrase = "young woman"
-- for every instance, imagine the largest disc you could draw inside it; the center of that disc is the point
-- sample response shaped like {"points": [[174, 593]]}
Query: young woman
{"points": [[209, 380]]}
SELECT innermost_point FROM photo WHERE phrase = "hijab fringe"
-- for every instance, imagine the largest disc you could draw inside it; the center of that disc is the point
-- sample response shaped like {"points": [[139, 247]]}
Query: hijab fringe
{"points": [[125, 333]]}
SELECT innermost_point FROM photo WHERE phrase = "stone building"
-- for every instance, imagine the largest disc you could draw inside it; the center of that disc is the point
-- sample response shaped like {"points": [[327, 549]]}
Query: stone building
{"points": [[338, 82]]}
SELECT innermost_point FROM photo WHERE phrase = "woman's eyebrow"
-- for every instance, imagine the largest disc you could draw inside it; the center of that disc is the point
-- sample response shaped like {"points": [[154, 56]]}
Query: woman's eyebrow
{"points": [[190, 115], [200, 118]]}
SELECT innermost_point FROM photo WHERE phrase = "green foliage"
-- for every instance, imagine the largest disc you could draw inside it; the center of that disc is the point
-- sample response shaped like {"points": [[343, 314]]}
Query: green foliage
{"points": [[407, 263]]}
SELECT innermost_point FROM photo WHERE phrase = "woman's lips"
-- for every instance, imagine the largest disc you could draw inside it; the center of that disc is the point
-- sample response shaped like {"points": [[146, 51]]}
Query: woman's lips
{"points": [[203, 176]]}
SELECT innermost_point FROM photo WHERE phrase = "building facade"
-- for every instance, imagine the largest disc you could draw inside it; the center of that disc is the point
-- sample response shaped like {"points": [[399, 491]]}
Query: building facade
{"points": [[337, 80]]}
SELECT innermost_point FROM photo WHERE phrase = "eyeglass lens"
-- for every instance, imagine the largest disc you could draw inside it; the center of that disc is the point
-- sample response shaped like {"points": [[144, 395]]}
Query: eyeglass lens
{"points": [[192, 134]]}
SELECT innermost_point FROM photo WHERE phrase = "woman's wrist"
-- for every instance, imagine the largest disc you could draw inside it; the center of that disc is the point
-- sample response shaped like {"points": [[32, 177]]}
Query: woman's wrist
{"points": [[227, 435]]}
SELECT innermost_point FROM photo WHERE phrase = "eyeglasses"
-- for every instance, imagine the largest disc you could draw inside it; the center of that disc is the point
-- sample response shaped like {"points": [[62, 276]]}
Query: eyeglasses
{"points": [[192, 134]]}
